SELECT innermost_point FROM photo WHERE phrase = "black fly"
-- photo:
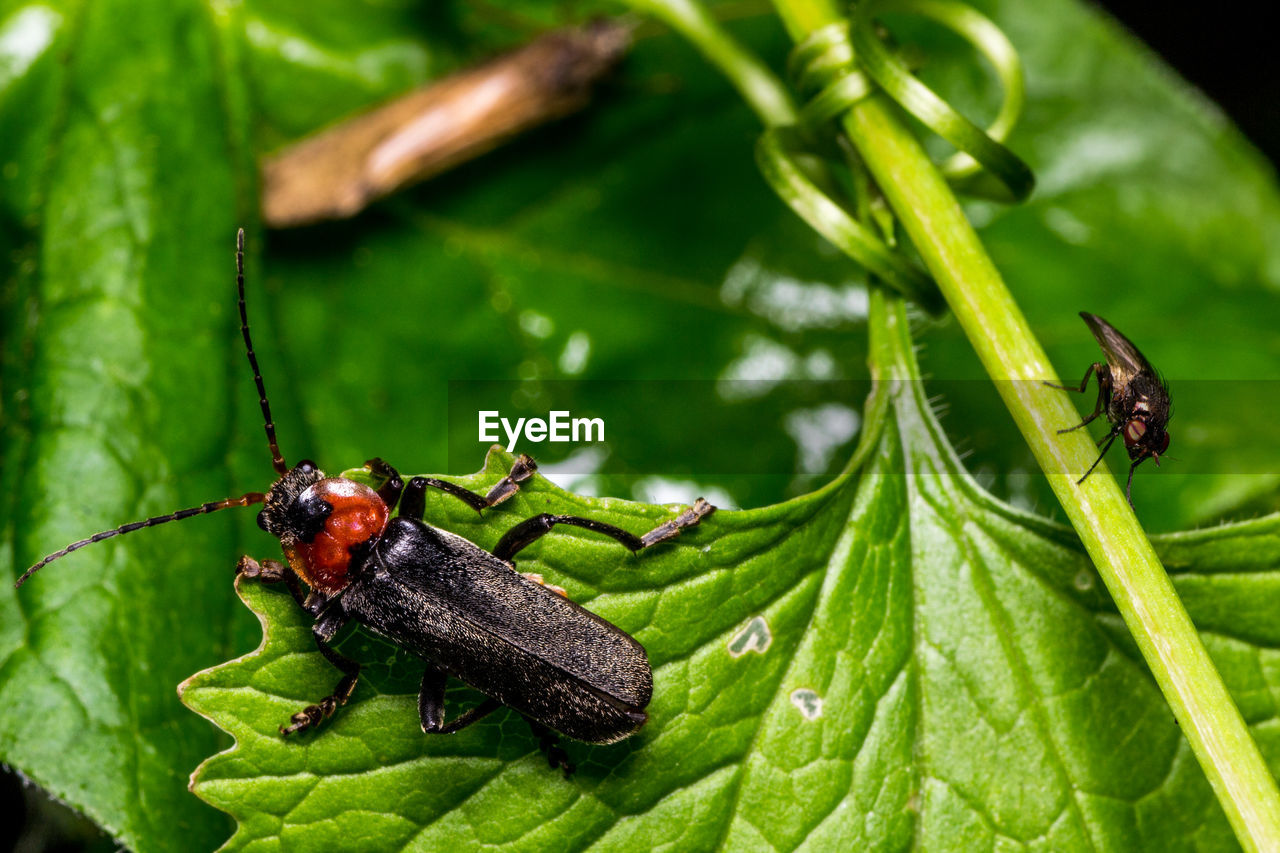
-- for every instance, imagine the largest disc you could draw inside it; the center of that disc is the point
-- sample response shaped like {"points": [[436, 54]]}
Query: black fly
{"points": [[1132, 394]]}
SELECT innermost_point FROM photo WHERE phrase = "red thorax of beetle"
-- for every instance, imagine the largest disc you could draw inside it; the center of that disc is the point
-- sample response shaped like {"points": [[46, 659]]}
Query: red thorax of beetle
{"points": [[324, 524]]}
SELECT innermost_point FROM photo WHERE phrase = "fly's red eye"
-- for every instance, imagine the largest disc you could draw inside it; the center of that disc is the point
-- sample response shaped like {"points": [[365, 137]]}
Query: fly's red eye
{"points": [[1133, 432], [1164, 443]]}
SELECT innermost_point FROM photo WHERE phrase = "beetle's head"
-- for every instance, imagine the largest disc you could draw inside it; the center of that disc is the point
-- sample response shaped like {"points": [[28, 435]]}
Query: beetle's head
{"points": [[325, 524], [280, 511]]}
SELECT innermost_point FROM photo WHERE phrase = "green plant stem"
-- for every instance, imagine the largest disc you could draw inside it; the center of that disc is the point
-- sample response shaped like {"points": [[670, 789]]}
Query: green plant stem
{"points": [[1106, 524]]}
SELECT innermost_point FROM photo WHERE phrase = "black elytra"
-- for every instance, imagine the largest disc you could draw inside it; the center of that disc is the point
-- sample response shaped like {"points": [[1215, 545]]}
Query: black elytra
{"points": [[466, 612], [470, 616], [1131, 393]]}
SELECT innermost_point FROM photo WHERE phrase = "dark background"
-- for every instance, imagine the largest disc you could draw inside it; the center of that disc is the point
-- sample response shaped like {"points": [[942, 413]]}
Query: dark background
{"points": [[1226, 53]]}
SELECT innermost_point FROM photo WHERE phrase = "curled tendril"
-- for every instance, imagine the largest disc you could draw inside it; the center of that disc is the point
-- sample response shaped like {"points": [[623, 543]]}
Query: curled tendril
{"points": [[778, 164], [839, 65], [823, 63], [982, 154]]}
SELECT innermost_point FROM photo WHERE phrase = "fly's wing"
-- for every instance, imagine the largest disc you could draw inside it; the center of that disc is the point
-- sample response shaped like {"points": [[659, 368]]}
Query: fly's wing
{"points": [[1123, 357]]}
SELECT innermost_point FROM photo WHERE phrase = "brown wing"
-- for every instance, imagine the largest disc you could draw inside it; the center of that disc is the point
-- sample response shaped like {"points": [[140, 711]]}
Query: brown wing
{"points": [[1122, 356]]}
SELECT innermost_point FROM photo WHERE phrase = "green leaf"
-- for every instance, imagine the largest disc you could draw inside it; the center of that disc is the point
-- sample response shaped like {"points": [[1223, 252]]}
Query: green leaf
{"points": [[116, 196], [891, 660], [642, 225]]}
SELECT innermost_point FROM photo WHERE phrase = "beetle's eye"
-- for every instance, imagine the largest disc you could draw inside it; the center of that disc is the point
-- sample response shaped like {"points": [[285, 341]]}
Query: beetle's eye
{"points": [[306, 466], [262, 519], [1164, 443], [1134, 431]]}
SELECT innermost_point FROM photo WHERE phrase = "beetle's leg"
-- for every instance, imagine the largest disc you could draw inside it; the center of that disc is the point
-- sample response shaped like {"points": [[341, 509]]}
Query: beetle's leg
{"points": [[325, 629], [414, 503], [550, 746], [1096, 368], [506, 487], [529, 530], [431, 699], [431, 705], [671, 529], [391, 486], [272, 571], [1110, 440]]}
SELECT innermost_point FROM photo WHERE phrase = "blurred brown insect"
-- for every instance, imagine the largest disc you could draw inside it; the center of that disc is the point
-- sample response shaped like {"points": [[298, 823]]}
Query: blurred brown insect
{"points": [[339, 171]]}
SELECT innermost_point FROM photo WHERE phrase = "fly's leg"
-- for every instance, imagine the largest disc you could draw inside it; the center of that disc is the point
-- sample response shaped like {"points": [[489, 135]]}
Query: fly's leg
{"points": [[1101, 370], [1096, 367], [431, 705], [1110, 440], [1129, 485], [1104, 390], [528, 531]]}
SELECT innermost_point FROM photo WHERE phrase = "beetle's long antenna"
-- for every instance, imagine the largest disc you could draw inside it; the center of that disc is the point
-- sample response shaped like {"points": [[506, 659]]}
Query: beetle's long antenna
{"points": [[213, 506], [277, 460]]}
